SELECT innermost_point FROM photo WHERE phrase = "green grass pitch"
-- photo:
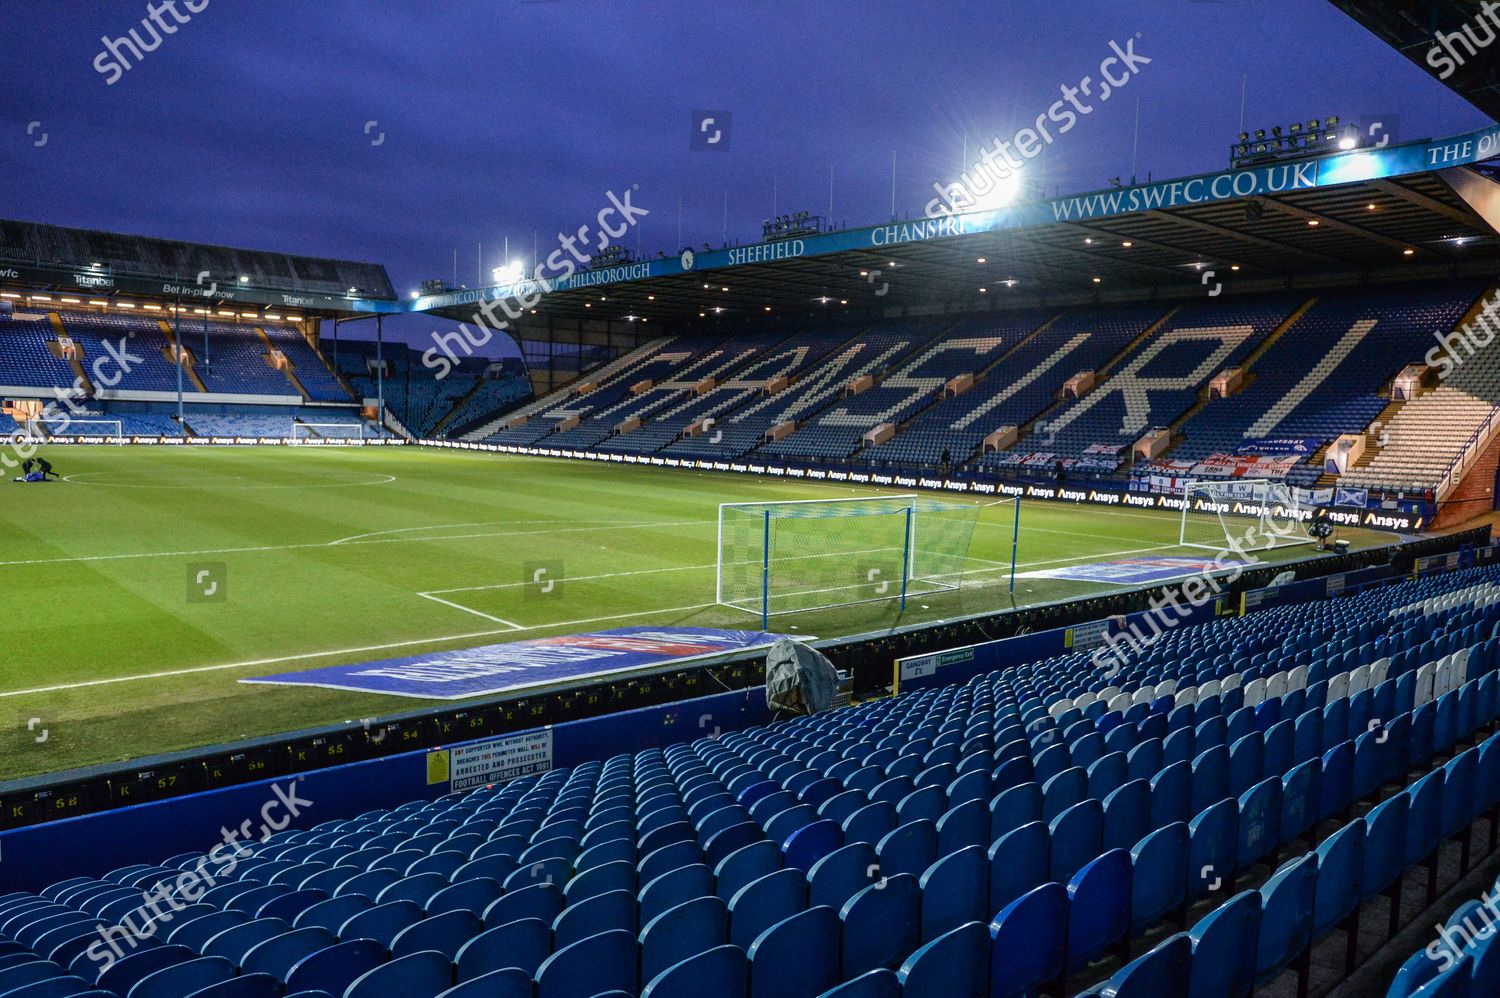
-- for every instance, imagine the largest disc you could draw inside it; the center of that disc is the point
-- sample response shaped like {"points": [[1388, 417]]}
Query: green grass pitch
{"points": [[334, 555]]}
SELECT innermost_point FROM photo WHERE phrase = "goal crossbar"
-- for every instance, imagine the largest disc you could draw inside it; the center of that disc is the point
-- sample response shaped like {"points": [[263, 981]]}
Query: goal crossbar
{"points": [[809, 554], [74, 428], [351, 431]]}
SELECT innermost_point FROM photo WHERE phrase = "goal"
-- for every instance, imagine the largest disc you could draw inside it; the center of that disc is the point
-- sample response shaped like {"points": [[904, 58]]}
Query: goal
{"points": [[788, 557], [1243, 514], [88, 428], [302, 432]]}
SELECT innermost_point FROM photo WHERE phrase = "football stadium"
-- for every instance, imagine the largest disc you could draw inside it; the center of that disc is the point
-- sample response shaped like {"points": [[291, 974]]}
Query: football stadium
{"points": [[1072, 571]]}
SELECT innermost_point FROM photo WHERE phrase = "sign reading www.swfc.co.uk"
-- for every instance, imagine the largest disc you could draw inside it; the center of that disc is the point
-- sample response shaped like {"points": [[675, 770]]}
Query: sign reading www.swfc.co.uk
{"points": [[520, 664]]}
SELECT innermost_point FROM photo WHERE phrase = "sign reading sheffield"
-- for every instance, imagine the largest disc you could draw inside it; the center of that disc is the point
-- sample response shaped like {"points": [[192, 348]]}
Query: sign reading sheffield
{"points": [[452, 675]]}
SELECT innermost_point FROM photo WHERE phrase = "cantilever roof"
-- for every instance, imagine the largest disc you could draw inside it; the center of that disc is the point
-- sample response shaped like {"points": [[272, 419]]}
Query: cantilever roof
{"points": [[1423, 209]]}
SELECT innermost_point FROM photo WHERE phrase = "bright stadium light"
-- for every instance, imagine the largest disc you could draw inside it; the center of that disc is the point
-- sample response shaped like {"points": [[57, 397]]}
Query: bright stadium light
{"points": [[1005, 192], [508, 274]]}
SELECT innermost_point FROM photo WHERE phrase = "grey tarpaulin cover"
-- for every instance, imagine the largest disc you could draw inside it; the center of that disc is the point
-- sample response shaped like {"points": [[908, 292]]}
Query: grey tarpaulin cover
{"points": [[799, 678]]}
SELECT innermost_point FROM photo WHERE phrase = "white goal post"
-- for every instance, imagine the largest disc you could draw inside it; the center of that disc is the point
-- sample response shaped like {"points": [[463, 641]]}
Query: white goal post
{"points": [[88, 428], [811, 554], [326, 431], [1241, 514]]}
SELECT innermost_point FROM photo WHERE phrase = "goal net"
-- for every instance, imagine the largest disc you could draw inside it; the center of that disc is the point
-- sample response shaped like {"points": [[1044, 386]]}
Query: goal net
{"points": [[787, 557], [106, 428], [302, 432], [1243, 514]]}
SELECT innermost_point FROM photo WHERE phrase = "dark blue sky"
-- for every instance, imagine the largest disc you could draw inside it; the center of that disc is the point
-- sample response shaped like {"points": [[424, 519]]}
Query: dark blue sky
{"points": [[510, 118]]}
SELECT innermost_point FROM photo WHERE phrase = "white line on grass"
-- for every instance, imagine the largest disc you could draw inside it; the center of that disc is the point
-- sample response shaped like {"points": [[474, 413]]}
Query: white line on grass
{"points": [[348, 543], [62, 687]]}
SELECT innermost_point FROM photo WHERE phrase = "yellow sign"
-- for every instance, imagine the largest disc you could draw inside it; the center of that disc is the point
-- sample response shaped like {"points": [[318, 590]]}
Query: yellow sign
{"points": [[437, 767]]}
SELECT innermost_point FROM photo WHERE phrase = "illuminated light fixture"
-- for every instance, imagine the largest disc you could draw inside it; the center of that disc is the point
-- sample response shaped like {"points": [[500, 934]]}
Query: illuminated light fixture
{"points": [[864, 273], [768, 308], [651, 298], [705, 287], [723, 289], [354, 291], [1088, 241], [1370, 207], [415, 295], [1348, 142], [226, 313], [149, 308], [507, 274], [702, 315], [893, 263], [843, 301], [294, 318], [1408, 251], [1004, 192], [200, 311], [1011, 283], [243, 315], [1234, 267], [533, 311], [71, 301], [96, 265], [588, 304], [1127, 244], [273, 318], [8, 294], [40, 298], [981, 260], [718, 309], [96, 301], [1313, 223], [644, 319], [246, 280], [123, 304], [983, 290], [1098, 280], [602, 298]]}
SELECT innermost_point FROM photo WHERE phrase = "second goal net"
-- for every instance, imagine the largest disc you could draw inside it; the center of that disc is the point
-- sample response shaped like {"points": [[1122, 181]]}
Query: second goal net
{"points": [[787, 557], [1247, 514], [109, 429], [304, 432]]}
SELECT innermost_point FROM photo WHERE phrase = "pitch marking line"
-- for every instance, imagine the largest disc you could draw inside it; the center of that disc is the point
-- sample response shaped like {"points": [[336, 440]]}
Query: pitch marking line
{"points": [[346, 651], [346, 542]]}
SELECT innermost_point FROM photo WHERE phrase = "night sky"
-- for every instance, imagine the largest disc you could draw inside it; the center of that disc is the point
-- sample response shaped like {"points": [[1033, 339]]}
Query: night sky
{"points": [[513, 118]]}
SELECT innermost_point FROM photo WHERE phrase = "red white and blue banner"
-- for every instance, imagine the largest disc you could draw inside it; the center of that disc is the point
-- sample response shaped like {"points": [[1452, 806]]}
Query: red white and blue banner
{"points": [[501, 668]]}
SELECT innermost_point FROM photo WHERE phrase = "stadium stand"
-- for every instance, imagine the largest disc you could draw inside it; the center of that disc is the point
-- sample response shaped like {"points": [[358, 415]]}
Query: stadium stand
{"points": [[1265, 776], [868, 354], [234, 359], [1160, 379], [1324, 377], [25, 358], [689, 408], [1429, 433], [533, 421]]}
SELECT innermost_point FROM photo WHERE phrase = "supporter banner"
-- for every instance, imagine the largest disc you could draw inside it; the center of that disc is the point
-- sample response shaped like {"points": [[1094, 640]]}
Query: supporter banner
{"points": [[1351, 497], [1245, 466], [1145, 492], [453, 675], [1280, 445]]}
